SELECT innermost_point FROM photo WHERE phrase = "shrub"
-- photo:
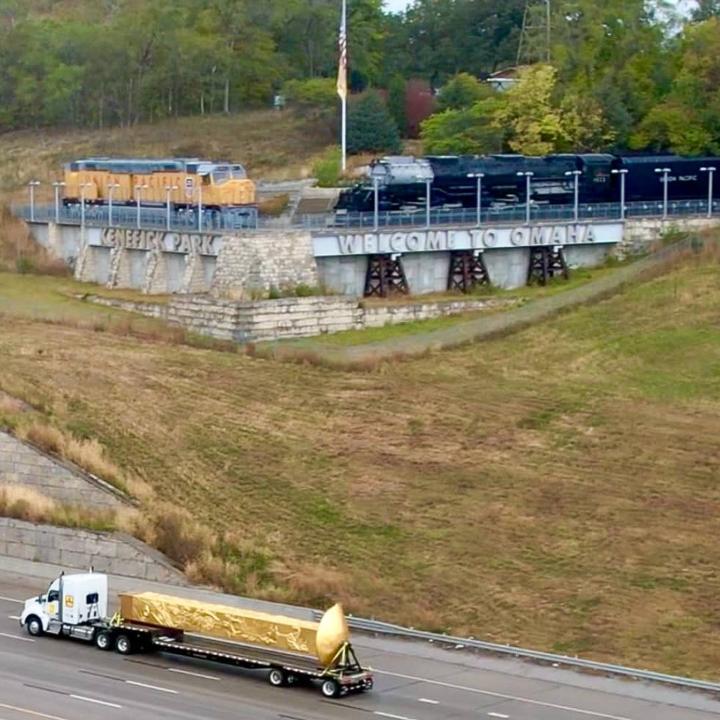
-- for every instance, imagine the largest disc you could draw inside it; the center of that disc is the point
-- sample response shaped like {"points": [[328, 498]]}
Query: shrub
{"points": [[327, 168], [314, 92]]}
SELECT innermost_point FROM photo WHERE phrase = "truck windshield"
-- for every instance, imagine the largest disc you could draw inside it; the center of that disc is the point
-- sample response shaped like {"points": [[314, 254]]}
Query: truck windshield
{"points": [[238, 172]]}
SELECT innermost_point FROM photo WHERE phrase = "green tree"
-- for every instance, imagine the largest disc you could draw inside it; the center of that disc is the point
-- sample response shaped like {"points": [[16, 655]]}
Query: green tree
{"points": [[469, 131], [688, 119], [371, 128], [461, 91], [534, 124], [705, 10], [396, 102]]}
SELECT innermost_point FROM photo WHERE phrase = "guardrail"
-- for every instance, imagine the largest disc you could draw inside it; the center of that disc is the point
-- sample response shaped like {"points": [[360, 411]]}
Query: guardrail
{"points": [[156, 218], [378, 627]]}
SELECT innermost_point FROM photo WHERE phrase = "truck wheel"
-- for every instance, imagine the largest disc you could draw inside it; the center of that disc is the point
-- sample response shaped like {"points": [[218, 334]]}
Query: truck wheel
{"points": [[103, 640], [123, 645], [330, 689], [276, 677], [34, 626]]}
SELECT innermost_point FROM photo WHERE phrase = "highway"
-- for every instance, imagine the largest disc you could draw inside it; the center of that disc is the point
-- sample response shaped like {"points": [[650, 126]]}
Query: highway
{"points": [[69, 680]]}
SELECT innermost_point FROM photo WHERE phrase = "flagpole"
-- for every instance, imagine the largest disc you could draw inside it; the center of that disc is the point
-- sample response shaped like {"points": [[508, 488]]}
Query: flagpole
{"points": [[343, 98]]}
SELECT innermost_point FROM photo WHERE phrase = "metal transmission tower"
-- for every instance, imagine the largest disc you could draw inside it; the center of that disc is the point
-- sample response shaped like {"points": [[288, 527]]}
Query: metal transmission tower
{"points": [[535, 36]]}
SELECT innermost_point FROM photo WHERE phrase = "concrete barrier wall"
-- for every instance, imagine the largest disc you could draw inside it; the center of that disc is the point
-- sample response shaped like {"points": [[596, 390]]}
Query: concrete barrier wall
{"points": [[114, 553], [241, 321], [23, 464]]}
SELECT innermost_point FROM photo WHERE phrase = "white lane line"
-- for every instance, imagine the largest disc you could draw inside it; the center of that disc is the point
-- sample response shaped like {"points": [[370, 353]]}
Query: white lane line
{"points": [[151, 687], [499, 715], [34, 713], [428, 701], [13, 617], [516, 698], [393, 717], [16, 637], [194, 674], [9, 599], [97, 702]]}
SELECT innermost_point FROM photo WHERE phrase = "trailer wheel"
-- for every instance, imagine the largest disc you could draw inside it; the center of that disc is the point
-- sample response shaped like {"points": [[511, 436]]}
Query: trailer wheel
{"points": [[330, 689], [34, 626], [123, 645], [277, 677], [103, 640]]}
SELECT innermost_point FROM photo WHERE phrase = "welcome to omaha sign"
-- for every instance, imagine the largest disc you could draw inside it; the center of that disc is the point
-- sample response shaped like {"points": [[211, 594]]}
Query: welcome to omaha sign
{"points": [[490, 238]]}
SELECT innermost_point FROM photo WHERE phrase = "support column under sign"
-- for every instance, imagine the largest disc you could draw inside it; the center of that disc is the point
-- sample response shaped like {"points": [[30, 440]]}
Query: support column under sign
{"points": [[385, 276], [467, 270], [546, 261]]}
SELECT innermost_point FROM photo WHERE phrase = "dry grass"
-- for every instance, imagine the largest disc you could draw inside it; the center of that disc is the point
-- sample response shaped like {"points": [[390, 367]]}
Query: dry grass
{"points": [[274, 206], [24, 503], [19, 252], [556, 488], [270, 145], [85, 453]]}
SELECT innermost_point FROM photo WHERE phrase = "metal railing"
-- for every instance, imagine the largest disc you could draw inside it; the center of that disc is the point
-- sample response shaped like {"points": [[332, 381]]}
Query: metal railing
{"points": [[378, 627], [156, 218], [489, 216], [146, 218]]}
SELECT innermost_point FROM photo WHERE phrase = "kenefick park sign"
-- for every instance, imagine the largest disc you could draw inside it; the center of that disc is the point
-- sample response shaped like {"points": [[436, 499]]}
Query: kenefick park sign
{"points": [[326, 244]]}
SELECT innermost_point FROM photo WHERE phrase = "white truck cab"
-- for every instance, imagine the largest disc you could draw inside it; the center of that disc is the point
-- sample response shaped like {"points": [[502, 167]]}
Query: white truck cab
{"points": [[71, 601]]}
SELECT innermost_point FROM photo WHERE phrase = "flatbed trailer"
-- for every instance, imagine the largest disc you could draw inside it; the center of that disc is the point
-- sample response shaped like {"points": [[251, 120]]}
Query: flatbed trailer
{"points": [[342, 676]]}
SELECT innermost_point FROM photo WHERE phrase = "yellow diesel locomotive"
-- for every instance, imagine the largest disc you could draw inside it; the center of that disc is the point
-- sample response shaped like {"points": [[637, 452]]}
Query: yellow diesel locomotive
{"points": [[180, 182]]}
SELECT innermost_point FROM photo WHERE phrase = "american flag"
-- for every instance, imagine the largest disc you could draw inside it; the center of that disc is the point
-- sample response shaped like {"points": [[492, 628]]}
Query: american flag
{"points": [[342, 62]]}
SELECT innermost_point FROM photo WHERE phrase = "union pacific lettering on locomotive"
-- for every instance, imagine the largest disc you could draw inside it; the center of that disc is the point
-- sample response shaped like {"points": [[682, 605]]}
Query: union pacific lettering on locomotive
{"points": [[402, 180]]}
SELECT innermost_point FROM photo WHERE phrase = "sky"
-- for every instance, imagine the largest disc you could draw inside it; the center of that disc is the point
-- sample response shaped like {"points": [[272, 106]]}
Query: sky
{"points": [[395, 5]]}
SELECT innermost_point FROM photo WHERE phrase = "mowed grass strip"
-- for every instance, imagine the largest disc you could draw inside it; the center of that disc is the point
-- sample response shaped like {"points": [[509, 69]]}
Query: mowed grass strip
{"points": [[557, 488]]}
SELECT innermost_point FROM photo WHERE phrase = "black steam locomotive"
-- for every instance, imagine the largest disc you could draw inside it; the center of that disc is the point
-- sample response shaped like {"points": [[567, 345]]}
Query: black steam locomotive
{"points": [[402, 181]]}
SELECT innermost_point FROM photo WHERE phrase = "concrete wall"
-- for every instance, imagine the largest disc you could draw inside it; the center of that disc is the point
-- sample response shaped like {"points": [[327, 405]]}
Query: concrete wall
{"points": [[303, 317], [114, 553], [22, 464]]}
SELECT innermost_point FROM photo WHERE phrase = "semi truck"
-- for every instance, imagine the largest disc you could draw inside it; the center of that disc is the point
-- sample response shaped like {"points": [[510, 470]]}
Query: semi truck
{"points": [[289, 650]]}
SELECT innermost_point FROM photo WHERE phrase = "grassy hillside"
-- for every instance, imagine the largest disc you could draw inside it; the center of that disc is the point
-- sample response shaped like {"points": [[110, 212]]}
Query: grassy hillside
{"points": [[557, 488], [270, 144]]}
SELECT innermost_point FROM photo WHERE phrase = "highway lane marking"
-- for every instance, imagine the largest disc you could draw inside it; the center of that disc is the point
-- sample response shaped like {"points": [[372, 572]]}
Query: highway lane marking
{"points": [[194, 674], [390, 715], [13, 617], [498, 715], [9, 599], [16, 637], [97, 702], [516, 698], [429, 701], [151, 687], [34, 713]]}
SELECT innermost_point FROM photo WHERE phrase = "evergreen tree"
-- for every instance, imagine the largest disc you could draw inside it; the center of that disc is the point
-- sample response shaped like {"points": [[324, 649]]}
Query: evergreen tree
{"points": [[396, 102], [371, 128]]}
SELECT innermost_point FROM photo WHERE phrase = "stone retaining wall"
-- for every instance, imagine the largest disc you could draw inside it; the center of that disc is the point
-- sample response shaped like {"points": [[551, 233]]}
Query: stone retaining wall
{"points": [[303, 317], [156, 310], [23, 464], [642, 233], [114, 553], [248, 321], [258, 261]]}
